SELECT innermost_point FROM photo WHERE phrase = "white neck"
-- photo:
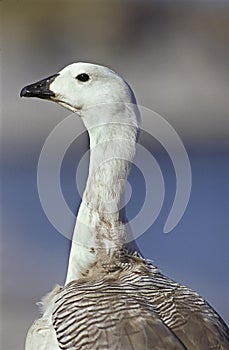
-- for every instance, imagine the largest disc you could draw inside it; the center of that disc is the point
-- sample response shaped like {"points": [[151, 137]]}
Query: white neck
{"points": [[101, 228]]}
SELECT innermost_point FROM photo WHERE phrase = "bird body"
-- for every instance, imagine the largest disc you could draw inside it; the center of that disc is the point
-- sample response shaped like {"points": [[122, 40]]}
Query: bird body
{"points": [[113, 298], [127, 304]]}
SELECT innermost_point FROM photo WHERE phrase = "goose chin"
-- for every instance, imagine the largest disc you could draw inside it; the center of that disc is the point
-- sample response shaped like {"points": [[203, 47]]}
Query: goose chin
{"points": [[66, 105]]}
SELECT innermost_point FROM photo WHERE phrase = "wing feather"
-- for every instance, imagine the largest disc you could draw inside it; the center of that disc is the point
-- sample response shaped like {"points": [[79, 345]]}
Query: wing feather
{"points": [[134, 308], [109, 318]]}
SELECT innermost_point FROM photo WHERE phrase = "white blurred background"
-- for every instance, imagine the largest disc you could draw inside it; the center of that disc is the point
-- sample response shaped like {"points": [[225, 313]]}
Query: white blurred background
{"points": [[175, 56]]}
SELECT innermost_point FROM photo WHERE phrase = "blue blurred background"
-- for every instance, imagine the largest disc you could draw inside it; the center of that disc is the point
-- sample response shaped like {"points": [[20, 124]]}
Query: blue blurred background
{"points": [[175, 56]]}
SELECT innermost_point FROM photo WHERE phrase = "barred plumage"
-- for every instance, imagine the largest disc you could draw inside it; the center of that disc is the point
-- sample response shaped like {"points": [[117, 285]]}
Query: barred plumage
{"points": [[94, 313], [113, 299]]}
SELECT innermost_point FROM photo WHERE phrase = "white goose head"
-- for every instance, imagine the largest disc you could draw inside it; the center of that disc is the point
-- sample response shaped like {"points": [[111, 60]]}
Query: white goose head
{"points": [[83, 86]]}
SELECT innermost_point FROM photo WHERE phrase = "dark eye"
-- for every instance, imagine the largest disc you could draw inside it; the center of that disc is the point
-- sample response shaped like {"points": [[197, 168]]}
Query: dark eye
{"points": [[83, 77]]}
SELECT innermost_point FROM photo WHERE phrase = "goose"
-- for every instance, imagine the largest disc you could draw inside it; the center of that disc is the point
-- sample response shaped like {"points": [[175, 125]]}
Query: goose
{"points": [[113, 298]]}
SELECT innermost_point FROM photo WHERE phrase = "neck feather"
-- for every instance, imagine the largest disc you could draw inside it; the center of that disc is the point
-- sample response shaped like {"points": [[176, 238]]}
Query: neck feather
{"points": [[101, 228]]}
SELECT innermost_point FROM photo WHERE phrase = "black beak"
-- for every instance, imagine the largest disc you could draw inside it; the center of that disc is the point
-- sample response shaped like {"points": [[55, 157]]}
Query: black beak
{"points": [[39, 89]]}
